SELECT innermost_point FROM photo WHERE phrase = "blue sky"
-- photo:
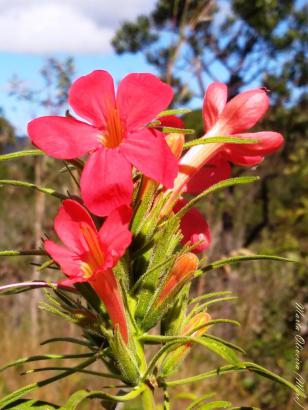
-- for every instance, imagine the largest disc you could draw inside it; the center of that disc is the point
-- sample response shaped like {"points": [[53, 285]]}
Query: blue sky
{"points": [[27, 67], [32, 30]]}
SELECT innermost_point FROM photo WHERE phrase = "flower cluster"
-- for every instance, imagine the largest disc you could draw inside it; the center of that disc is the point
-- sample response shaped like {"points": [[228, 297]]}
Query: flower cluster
{"points": [[129, 237], [125, 151]]}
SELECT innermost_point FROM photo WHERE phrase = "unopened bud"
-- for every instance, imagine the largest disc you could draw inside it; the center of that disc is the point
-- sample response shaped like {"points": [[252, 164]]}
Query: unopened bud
{"points": [[182, 270], [175, 358], [196, 322], [176, 143]]}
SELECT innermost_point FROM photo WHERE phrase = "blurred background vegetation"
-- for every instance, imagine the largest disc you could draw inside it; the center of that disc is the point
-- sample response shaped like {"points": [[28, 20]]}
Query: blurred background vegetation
{"points": [[259, 43]]}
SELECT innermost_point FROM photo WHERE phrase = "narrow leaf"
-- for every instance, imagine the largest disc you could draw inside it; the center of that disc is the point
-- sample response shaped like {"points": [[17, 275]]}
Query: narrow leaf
{"points": [[66, 339], [11, 398], [216, 187], [30, 252], [176, 111], [235, 259], [199, 401], [78, 397], [209, 295], [44, 357], [169, 130], [25, 184], [272, 376], [220, 140], [20, 154], [216, 405]]}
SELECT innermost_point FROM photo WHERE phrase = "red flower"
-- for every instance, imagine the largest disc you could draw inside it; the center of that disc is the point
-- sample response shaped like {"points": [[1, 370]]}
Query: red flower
{"points": [[238, 115], [194, 227], [89, 254], [114, 134], [216, 170], [227, 119], [182, 270]]}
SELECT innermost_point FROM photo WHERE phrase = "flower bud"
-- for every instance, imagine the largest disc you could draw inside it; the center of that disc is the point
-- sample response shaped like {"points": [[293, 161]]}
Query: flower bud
{"points": [[176, 357], [182, 270], [176, 143]]}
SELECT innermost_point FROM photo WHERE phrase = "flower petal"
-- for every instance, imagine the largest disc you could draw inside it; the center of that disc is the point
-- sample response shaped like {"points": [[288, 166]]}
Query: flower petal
{"points": [[115, 233], [148, 151], [92, 96], [242, 112], [171, 121], [61, 137], [106, 286], [242, 160], [214, 171], [194, 227], [68, 261], [214, 102], [67, 225], [268, 142], [106, 181], [141, 97]]}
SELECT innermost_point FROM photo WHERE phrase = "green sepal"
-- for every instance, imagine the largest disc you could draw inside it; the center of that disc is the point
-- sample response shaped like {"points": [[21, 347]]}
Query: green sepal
{"points": [[125, 358], [166, 241], [155, 312], [173, 320]]}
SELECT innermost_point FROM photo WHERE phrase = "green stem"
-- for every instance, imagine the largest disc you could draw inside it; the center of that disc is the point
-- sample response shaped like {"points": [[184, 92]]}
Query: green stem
{"points": [[148, 402]]}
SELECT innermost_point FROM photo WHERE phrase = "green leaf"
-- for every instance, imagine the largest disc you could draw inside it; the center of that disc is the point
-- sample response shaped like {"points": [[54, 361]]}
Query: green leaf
{"points": [[272, 376], [216, 187], [220, 140], [31, 252], [12, 397], [225, 342], [169, 130], [215, 405], [210, 295], [205, 305], [31, 404], [20, 154], [235, 259], [61, 368], [44, 357], [199, 400], [67, 339], [176, 111], [25, 184], [15, 288], [79, 396], [204, 376], [241, 367], [219, 348]]}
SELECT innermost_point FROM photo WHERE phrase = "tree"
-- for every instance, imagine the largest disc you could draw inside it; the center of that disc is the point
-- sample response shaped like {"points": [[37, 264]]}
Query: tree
{"points": [[241, 47]]}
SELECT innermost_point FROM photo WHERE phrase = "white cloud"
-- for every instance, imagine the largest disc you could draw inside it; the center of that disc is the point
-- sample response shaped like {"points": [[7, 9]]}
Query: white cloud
{"points": [[69, 26]]}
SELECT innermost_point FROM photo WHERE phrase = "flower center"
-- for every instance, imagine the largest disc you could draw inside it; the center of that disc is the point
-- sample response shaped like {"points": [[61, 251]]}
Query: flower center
{"points": [[95, 257], [114, 133]]}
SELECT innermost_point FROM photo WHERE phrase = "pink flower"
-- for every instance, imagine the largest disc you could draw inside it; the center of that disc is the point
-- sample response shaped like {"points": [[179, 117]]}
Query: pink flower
{"points": [[88, 254], [227, 119], [194, 227], [114, 135], [216, 170]]}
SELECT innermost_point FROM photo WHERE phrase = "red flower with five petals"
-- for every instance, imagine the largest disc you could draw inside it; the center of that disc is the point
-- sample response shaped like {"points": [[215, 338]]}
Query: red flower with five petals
{"points": [[114, 135], [90, 254]]}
